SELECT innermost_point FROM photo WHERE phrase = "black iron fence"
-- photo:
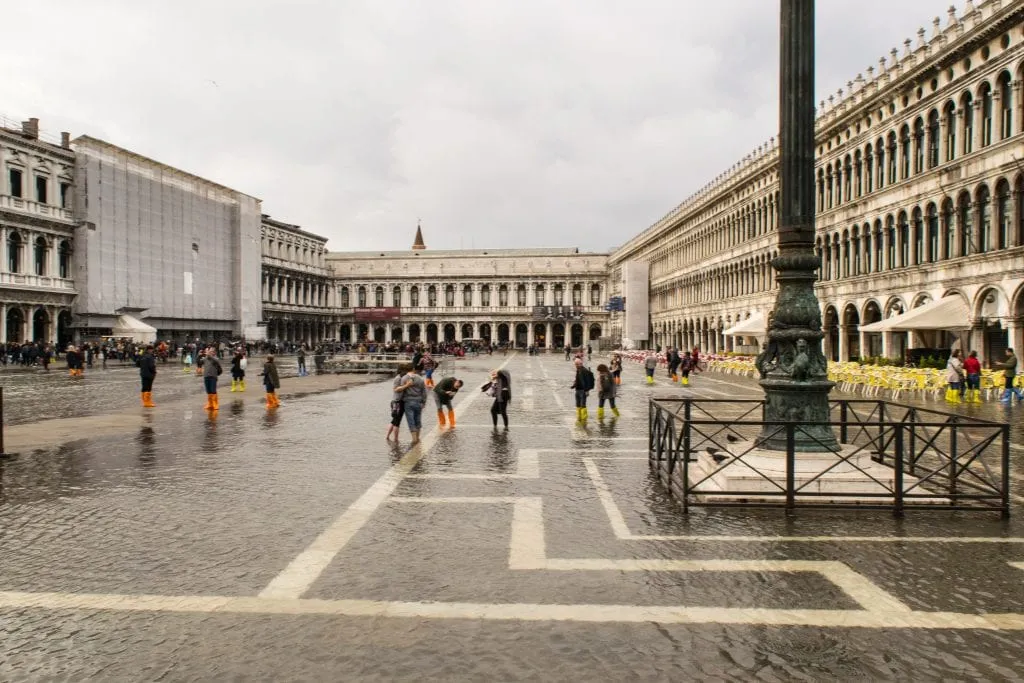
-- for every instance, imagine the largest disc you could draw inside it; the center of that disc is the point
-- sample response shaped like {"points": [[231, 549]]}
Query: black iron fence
{"points": [[890, 456]]}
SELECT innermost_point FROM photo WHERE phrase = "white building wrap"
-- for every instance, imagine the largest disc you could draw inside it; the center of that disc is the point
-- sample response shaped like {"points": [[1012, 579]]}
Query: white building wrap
{"points": [[635, 279]]}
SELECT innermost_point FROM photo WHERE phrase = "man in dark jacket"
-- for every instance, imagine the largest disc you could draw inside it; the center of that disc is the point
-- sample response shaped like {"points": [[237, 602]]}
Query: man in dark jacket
{"points": [[443, 394], [147, 372]]}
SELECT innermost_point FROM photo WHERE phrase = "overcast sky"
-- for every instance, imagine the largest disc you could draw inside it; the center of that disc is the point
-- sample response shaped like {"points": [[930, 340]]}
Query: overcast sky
{"points": [[500, 123]]}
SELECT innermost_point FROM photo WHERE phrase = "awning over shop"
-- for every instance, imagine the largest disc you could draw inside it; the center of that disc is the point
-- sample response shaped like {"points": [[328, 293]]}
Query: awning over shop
{"points": [[754, 326], [127, 326], [948, 313]]}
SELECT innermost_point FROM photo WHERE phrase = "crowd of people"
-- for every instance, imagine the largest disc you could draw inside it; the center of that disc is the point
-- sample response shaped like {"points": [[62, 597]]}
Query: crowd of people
{"points": [[963, 376]]}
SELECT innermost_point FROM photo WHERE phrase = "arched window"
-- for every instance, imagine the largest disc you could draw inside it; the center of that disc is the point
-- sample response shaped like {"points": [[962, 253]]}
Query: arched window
{"points": [[880, 154], [848, 176], [467, 295], [869, 170], [577, 295], [892, 149], [867, 250], [65, 259], [904, 236], [538, 296], [839, 182], [396, 297], [828, 186], [984, 219], [845, 265], [858, 174], [485, 295], [14, 246], [361, 297], [378, 297], [1003, 214], [964, 215], [1005, 105], [905, 152], [967, 106], [919, 241], [559, 295], [949, 229], [879, 244], [890, 236], [933, 138], [39, 260], [821, 190], [432, 296], [414, 297], [521, 295], [503, 295], [855, 251], [449, 296], [932, 223], [949, 121], [919, 145], [986, 114], [345, 297]]}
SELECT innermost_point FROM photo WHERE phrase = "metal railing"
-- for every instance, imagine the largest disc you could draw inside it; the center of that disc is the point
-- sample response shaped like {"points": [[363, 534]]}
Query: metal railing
{"points": [[891, 456]]}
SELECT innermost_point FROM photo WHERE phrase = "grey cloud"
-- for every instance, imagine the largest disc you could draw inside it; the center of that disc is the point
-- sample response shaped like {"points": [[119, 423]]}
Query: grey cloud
{"points": [[534, 123]]}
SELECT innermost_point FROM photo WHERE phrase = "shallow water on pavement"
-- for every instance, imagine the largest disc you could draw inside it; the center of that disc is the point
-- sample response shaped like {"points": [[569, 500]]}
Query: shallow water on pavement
{"points": [[192, 506]]}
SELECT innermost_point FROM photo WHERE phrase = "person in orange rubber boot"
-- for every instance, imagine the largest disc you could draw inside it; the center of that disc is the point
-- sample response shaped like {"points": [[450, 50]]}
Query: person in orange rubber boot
{"points": [[444, 392], [147, 373], [211, 371]]}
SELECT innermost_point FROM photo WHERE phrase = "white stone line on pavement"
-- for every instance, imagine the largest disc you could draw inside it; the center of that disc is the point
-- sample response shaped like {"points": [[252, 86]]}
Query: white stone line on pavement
{"points": [[622, 532], [527, 551], [558, 399], [490, 426], [1018, 565], [304, 569], [531, 612]]}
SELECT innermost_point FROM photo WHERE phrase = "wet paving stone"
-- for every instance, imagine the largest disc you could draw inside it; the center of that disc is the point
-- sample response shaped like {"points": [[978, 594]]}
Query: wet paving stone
{"points": [[299, 545]]}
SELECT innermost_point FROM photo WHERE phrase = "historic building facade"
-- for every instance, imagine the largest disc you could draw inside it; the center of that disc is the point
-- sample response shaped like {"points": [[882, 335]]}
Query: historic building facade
{"points": [[920, 178], [37, 267], [298, 296], [520, 297]]}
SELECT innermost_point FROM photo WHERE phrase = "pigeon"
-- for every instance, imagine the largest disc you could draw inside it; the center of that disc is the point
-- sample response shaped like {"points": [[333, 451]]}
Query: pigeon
{"points": [[711, 450], [732, 438], [719, 458]]}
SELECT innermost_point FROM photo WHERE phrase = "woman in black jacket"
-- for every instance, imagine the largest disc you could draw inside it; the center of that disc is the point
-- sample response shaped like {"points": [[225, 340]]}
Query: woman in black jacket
{"points": [[499, 387]]}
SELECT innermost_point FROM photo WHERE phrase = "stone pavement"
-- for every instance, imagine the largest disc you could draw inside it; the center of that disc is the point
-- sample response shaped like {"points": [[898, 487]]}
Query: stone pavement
{"points": [[298, 545]]}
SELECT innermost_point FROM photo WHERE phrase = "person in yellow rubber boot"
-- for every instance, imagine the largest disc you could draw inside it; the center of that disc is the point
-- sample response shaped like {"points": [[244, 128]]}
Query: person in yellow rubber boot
{"points": [[211, 371], [147, 373], [685, 365], [605, 391], [972, 368], [444, 392], [582, 385], [954, 376], [650, 365], [271, 382], [616, 368], [238, 370]]}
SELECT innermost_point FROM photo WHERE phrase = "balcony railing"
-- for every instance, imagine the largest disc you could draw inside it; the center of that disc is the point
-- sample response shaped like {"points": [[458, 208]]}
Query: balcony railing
{"points": [[35, 208], [36, 281]]}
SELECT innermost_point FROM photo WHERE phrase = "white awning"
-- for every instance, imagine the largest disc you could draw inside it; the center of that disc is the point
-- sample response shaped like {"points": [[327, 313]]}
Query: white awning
{"points": [[754, 326], [948, 313], [127, 326]]}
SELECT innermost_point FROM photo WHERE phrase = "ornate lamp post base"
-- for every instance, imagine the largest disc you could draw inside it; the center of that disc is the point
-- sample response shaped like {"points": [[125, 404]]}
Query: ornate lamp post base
{"points": [[805, 403]]}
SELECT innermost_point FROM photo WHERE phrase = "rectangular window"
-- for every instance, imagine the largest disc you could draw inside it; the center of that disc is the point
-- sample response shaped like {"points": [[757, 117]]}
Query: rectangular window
{"points": [[15, 178], [41, 186]]}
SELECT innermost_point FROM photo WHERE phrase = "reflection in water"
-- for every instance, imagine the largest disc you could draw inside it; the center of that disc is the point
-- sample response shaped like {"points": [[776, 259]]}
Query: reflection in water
{"points": [[237, 407], [210, 439], [501, 454], [269, 419], [146, 439], [397, 452]]}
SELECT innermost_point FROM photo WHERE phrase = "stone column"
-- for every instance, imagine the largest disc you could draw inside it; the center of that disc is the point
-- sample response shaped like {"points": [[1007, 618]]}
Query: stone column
{"points": [[978, 126], [53, 312], [844, 351], [529, 334], [887, 344], [548, 339], [26, 324], [3, 322]]}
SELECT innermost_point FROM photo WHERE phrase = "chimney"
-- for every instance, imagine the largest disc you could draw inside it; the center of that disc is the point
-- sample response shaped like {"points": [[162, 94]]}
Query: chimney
{"points": [[65, 140], [30, 129]]}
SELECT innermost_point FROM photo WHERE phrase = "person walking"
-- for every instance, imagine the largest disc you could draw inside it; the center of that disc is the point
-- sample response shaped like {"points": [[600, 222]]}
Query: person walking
{"points": [[444, 392], [650, 365], [499, 387], [685, 366], [428, 364], [582, 384], [605, 391], [954, 376], [972, 367], [300, 356], [590, 352], [398, 387], [1009, 367], [147, 373], [414, 396], [672, 356], [211, 371], [568, 352], [616, 368], [73, 357], [271, 382], [238, 370]]}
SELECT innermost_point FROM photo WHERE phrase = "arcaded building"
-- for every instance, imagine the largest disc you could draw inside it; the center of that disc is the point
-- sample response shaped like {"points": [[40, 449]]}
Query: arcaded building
{"points": [[919, 199], [37, 225], [520, 297]]}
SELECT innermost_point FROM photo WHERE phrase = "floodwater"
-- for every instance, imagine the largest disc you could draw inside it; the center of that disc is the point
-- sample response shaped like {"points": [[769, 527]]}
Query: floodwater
{"points": [[297, 544]]}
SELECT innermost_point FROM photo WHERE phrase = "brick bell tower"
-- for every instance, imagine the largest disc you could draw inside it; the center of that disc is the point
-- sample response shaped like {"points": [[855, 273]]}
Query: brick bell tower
{"points": [[418, 244]]}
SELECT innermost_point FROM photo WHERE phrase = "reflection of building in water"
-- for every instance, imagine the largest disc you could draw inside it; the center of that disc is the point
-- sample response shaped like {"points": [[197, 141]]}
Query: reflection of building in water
{"points": [[544, 297], [37, 276], [919, 197]]}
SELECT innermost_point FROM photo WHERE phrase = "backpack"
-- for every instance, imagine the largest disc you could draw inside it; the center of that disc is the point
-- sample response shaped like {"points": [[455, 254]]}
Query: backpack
{"points": [[586, 379]]}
